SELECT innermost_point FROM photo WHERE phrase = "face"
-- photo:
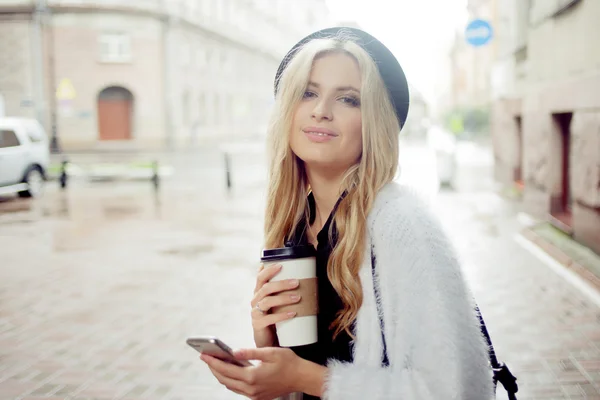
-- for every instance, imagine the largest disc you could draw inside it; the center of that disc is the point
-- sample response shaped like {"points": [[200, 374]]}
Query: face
{"points": [[327, 127]]}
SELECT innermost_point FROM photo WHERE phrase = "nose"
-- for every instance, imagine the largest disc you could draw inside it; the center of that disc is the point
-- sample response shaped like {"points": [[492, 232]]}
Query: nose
{"points": [[322, 111]]}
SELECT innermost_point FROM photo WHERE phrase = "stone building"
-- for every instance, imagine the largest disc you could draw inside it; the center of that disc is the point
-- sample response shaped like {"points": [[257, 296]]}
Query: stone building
{"points": [[470, 65], [546, 110], [147, 74]]}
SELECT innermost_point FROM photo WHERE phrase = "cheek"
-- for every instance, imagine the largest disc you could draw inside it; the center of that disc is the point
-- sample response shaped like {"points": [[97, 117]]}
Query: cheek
{"points": [[300, 117], [302, 113], [357, 126], [355, 131], [296, 125]]}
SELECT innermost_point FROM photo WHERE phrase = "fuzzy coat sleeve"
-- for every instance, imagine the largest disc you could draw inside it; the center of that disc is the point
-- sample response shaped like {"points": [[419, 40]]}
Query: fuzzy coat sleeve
{"points": [[435, 347]]}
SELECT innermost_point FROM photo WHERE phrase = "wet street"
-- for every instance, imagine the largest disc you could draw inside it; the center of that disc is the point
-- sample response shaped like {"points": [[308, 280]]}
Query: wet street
{"points": [[101, 284]]}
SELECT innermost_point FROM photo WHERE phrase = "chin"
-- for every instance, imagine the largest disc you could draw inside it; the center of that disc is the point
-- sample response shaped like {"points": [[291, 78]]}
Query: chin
{"points": [[324, 162], [315, 156]]}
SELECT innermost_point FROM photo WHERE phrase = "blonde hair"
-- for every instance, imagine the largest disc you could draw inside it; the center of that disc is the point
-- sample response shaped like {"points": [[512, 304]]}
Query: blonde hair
{"points": [[288, 187]]}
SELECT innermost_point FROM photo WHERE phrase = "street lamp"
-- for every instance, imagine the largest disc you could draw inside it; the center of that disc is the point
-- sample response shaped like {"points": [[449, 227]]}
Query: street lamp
{"points": [[43, 18]]}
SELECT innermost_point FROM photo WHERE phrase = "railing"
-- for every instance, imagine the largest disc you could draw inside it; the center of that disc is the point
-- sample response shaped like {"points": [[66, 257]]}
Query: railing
{"points": [[145, 5], [17, 3]]}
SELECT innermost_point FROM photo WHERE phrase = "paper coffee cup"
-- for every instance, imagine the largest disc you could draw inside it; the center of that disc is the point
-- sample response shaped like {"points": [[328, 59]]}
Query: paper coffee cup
{"points": [[298, 262]]}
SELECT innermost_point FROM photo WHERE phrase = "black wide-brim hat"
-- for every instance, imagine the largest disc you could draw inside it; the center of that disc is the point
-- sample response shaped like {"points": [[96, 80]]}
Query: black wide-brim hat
{"points": [[389, 68]]}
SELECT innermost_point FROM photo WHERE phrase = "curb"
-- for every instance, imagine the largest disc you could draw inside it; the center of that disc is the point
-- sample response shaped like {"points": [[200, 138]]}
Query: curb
{"points": [[562, 258]]}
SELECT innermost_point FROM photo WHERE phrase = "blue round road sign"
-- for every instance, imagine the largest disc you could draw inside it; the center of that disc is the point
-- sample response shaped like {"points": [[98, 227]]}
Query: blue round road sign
{"points": [[479, 32]]}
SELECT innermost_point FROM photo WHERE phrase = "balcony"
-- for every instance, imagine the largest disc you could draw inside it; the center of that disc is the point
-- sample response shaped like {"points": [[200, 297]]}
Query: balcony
{"points": [[154, 6], [17, 5]]}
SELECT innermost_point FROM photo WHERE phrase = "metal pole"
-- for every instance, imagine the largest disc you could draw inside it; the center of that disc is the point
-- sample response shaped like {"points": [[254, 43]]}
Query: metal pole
{"points": [[63, 175], [49, 26], [227, 172], [38, 64], [155, 176], [166, 87]]}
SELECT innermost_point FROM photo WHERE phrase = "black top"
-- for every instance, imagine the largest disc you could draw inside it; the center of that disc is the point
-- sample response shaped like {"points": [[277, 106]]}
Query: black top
{"points": [[330, 302]]}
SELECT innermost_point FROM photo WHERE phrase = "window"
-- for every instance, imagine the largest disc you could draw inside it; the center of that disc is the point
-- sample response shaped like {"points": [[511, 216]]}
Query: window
{"points": [[216, 109], [191, 7], [186, 53], [310, 18], [215, 59], [8, 138], [115, 47], [35, 132], [207, 8], [185, 108], [220, 10], [209, 57], [202, 109], [224, 64], [34, 136], [201, 58], [229, 106]]}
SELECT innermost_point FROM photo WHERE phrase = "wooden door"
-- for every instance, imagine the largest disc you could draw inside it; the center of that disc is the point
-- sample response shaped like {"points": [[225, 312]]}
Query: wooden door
{"points": [[114, 114]]}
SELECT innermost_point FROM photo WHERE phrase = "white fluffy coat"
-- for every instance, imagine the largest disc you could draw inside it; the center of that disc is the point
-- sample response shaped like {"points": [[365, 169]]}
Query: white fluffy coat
{"points": [[435, 347]]}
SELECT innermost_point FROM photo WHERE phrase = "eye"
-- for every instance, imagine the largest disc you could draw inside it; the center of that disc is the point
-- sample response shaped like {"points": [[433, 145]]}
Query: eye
{"points": [[351, 101], [308, 95]]}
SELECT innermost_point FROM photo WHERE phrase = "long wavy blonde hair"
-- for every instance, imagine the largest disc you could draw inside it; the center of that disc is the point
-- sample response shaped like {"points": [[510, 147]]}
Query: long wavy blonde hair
{"points": [[288, 186]]}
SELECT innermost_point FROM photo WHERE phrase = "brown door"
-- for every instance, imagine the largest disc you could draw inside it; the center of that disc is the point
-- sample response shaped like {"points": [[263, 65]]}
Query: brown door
{"points": [[567, 200], [561, 204], [114, 114], [518, 173]]}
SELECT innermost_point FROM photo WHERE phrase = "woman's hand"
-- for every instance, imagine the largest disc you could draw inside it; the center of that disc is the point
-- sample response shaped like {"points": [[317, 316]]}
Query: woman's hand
{"points": [[268, 295], [280, 372]]}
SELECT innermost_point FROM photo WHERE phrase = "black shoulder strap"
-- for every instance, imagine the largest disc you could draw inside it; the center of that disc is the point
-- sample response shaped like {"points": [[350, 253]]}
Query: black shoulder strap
{"points": [[501, 372], [384, 359]]}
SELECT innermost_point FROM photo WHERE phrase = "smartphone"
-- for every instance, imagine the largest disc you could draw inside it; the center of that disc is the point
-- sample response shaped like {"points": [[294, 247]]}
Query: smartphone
{"points": [[214, 347]]}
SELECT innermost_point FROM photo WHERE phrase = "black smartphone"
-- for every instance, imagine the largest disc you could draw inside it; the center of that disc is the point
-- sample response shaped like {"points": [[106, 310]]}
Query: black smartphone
{"points": [[214, 347]]}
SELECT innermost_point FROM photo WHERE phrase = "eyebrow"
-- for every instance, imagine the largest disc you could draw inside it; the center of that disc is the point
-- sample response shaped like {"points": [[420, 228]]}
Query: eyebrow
{"points": [[339, 88]]}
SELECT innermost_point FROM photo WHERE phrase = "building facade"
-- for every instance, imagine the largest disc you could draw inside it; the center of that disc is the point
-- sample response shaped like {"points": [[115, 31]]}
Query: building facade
{"points": [[546, 111], [147, 74]]}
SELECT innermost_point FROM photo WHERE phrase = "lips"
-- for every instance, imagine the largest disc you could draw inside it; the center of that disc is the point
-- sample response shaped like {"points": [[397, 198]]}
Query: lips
{"points": [[319, 132], [318, 137]]}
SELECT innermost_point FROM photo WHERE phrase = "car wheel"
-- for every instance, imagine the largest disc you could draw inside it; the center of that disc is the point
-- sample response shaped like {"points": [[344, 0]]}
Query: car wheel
{"points": [[35, 182]]}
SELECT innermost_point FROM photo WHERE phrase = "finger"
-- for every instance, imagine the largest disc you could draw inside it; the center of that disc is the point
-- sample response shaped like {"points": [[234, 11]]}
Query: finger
{"points": [[262, 321], [283, 299], [266, 274], [264, 354], [274, 287], [224, 368], [235, 386]]}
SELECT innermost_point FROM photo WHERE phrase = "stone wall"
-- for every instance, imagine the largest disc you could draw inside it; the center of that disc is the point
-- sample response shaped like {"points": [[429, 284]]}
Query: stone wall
{"points": [[585, 148], [506, 139], [16, 67]]}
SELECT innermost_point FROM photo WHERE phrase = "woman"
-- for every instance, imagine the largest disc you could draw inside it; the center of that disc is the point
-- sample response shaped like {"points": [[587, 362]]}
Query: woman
{"points": [[396, 319]]}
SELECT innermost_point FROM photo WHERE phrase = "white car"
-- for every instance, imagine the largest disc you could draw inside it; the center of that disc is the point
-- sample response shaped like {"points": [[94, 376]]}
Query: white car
{"points": [[24, 156], [443, 143]]}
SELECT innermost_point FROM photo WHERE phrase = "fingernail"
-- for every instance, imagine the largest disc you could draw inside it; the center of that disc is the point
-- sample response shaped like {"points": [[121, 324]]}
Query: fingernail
{"points": [[279, 266], [294, 297], [291, 313], [294, 282]]}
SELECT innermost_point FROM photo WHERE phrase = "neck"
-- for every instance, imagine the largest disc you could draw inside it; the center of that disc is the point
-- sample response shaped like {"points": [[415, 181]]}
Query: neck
{"points": [[326, 190]]}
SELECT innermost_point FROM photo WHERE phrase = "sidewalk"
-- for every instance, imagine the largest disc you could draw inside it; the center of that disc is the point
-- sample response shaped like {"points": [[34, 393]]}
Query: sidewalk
{"points": [[545, 328], [114, 277]]}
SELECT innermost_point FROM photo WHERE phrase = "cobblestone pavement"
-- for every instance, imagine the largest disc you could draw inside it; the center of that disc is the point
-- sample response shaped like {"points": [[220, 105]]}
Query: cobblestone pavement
{"points": [[101, 285]]}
